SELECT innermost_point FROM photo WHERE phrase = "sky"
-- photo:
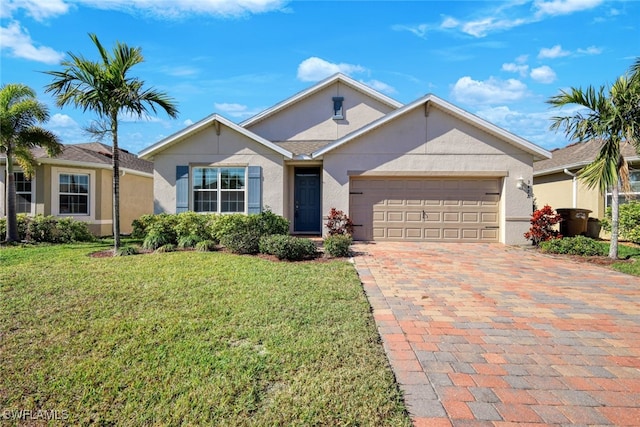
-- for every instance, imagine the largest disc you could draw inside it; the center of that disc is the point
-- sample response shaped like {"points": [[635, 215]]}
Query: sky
{"points": [[500, 60]]}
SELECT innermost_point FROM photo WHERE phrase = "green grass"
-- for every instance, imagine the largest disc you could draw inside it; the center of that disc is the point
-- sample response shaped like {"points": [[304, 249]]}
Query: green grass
{"points": [[633, 253], [189, 338]]}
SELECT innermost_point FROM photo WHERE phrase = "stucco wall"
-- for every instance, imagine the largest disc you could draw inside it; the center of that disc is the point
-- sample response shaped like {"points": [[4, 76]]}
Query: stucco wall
{"points": [[439, 143], [208, 148], [311, 118], [556, 190]]}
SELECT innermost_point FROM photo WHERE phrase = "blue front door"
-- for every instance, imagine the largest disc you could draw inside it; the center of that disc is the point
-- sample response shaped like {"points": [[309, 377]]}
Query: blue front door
{"points": [[307, 217]]}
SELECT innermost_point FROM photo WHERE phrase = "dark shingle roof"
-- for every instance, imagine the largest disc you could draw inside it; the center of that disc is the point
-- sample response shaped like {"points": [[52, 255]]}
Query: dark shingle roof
{"points": [[302, 147], [95, 152], [577, 155]]}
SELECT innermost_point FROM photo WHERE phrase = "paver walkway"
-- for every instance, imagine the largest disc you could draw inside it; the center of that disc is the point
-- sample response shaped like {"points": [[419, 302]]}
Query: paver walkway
{"points": [[487, 334]]}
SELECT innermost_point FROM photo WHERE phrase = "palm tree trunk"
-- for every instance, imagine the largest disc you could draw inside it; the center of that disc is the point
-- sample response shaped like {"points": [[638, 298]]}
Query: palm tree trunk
{"points": [[12, 218], [615, 220], [116, 183]]}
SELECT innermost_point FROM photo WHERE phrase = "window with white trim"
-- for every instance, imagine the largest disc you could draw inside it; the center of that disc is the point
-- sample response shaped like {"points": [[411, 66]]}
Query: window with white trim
{"points": [[73, 194], [219, 189], [634, 178], [24, 192]]}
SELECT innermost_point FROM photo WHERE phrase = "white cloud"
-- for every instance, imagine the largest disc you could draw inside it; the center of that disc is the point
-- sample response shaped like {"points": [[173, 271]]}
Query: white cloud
{"points": [[419, 30], [234, 110], [380, 86], [61, 121], [314, 69], [591, 50], [181, 71], [18, 42], [522, 69], [180, 8], [543, 74], [37, 9], [553, 52], [532, 126], [564, 7], [491, 91], [449, 22], [188, 122], [482, 27]]}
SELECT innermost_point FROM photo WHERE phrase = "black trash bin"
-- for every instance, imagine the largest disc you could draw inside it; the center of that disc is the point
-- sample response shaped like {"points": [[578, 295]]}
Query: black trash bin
{"points": [[574, 221]]}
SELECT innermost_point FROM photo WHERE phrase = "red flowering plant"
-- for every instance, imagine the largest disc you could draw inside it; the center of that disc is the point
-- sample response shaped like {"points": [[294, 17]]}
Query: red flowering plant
{"points": [[338, 223], [542, 225]]}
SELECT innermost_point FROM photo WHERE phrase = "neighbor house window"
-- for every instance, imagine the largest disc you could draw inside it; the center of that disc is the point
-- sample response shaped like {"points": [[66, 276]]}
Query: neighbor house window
{"points": [[634, 178], [219, 190], [73, 194], [23, 193]]}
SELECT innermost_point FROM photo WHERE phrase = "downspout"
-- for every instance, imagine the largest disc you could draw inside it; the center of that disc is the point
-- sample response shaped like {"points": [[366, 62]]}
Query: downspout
{"points": [[575, 187]]}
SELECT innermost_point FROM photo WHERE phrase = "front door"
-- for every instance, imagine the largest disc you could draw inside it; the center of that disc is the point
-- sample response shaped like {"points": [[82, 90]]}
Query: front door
{"points": [[306, 216]]}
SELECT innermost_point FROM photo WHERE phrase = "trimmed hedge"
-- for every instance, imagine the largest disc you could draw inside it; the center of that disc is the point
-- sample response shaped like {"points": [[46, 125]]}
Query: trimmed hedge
{"points": [[628, 223], [287, 247], [578, 245], [337, 245], [49, 229]]}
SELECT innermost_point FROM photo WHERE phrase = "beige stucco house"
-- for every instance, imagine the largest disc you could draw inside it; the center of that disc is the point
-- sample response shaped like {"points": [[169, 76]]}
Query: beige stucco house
{"points": [[555, 182], [78, 184], [427, 170]]}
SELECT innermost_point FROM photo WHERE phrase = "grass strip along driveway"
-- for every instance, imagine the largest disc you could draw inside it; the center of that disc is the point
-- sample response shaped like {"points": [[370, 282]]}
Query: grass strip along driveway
{"points": [[189, 338]]}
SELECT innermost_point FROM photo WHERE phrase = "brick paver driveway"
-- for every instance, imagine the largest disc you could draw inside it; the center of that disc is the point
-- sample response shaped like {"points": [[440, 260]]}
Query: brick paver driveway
{"points": [[482, 334]]}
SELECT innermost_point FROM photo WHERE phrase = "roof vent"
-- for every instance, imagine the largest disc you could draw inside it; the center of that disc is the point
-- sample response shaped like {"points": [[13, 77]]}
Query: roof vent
{"points": [[338, 111]]}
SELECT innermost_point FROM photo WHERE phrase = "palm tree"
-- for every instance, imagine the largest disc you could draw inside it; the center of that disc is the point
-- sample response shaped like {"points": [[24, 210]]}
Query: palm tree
{"points": [[20, 114], [105, 88], [607, 116]]}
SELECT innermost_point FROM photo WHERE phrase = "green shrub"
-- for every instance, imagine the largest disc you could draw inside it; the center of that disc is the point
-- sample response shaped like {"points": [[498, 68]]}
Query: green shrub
{"points": [[578, 245], [192, 224], [241, 242], [628, 223], [169, 247], [287, 247], [23, 224], [50, 229], [160, 231], [126, 251], [78, 231], [269, 223], [139, 226], [337, 245], [188, 241], [206, 246], [225, 224]]}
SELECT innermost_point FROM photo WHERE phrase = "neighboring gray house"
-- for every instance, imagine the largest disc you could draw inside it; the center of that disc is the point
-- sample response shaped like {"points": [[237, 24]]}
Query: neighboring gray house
{"points": [[427, 170]]}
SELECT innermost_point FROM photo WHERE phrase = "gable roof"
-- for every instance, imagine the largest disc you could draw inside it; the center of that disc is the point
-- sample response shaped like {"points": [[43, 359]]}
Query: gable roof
{"points": [[576, 156], [202, 124], [338, 77], [93, 154], [523, 144]]}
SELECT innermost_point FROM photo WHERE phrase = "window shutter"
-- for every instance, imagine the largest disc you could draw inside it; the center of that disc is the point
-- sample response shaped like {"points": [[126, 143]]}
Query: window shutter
{"points": [[255, 189], [182, 189]]}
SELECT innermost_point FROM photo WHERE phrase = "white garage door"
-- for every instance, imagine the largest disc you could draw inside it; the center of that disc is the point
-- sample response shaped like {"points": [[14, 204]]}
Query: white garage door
{"points": [[463, 210]]}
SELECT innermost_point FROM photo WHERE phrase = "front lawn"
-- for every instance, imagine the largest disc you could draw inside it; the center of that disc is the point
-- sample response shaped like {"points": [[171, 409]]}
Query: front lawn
{"points": [[189, 338], [632, 266]]}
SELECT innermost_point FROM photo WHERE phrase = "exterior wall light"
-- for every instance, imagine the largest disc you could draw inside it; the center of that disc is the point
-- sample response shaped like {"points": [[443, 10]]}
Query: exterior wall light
{"points": [[521, 185]]}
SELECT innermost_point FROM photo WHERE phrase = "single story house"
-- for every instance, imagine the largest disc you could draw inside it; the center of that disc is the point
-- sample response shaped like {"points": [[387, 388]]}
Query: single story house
{"points": [[427, 170], [555, 182], [78, 183]]}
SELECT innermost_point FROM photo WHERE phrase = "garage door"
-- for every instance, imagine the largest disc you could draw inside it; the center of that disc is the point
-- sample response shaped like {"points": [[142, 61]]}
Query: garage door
{"points": [[463, 210]]}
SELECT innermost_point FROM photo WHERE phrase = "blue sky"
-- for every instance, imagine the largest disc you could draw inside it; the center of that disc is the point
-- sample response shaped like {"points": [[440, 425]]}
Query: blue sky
{"points": [[499, 60]]}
